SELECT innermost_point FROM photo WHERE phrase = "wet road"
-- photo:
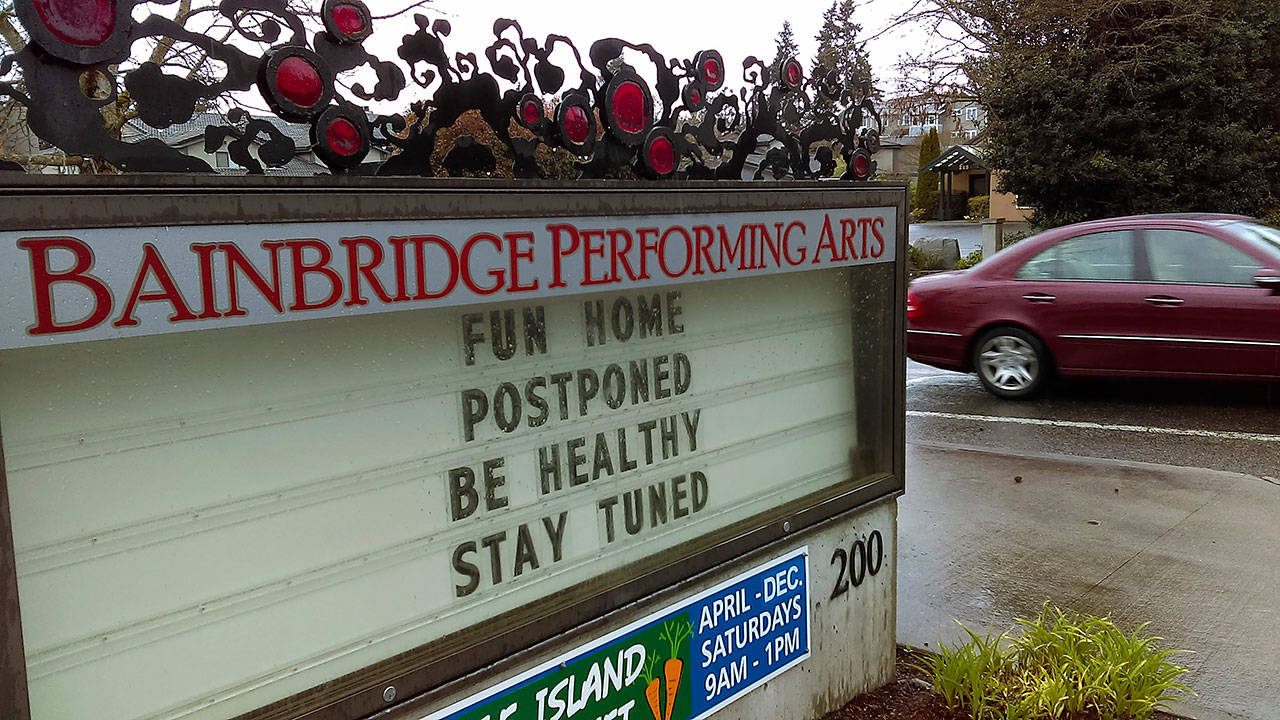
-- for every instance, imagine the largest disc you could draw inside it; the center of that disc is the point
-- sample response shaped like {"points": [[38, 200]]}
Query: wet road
{"points": [[1219, 426], [1147, 501]]}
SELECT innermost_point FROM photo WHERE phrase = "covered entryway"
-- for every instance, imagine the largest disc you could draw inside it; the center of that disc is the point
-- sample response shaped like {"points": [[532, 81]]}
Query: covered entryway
{"points": [[959, 165]]}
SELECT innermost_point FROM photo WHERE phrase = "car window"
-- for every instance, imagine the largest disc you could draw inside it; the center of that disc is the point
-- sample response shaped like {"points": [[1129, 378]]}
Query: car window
{"points": [[1262, 237], [1183, 256], [1096, 256]]}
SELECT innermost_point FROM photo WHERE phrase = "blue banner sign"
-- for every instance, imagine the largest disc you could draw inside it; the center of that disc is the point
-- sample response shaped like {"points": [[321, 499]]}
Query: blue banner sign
{"points": [[681, 663]]}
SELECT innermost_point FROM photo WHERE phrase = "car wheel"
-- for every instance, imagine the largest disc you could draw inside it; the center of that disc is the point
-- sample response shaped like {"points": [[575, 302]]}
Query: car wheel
{"points": [[1011, 363]]}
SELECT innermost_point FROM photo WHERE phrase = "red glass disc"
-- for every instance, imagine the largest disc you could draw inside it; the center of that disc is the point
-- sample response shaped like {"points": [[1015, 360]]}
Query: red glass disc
{"points": [[299, 81], [87, 23], [531, 112], [794, 73], [628, 107], [662, 156], [861, 165], [696, 97], [711, 72], [576, 126], [343, 137], [348, 19]]}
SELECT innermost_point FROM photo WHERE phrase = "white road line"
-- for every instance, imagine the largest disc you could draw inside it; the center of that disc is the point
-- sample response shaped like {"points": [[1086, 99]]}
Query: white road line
{"points": [[915, 380], [1219, 434]]}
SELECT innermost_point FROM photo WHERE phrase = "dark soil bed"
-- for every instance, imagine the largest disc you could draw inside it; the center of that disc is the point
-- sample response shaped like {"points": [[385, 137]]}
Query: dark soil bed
{"points": [[908, 698]]}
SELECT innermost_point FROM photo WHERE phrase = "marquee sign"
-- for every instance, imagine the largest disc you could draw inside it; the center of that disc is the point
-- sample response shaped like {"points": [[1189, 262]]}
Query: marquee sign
{"points": [[96, 284], [280, 448], [314, 468]]}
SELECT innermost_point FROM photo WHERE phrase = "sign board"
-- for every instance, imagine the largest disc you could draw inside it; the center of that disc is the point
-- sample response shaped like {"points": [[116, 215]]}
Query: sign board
{"points": [[681, 663], [403, 444], [97, 284]]}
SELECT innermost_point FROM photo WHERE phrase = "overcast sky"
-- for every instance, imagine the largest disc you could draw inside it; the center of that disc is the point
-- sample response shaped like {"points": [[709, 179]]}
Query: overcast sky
{"points": [[675, 27]]}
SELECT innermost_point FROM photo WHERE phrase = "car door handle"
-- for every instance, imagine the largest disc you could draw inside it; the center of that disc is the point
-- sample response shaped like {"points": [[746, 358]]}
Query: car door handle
{"points": [[1165, 300], [1040, 297]]}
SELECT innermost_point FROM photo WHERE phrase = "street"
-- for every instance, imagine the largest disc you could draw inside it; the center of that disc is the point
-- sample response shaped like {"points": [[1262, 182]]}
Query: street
{"points": [[1150, 502], [1220, 426]]}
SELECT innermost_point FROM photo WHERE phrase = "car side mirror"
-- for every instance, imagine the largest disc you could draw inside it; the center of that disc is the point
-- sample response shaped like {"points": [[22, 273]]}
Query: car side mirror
{"points": [[1267, 278]]}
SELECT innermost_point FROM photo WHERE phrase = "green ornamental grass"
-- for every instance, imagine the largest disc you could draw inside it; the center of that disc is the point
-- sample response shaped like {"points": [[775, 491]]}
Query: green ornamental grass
{"points": [[1061, 666]]}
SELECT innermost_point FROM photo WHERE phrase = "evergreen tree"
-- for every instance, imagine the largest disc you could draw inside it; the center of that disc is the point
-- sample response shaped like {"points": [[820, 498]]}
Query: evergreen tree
{"points": [[841, 59], [927, 190], [1101, 108], [785, 44]]}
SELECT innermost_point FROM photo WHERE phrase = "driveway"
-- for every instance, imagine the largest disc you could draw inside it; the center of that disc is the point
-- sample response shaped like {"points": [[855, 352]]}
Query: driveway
{"points": [[1186, 540]]}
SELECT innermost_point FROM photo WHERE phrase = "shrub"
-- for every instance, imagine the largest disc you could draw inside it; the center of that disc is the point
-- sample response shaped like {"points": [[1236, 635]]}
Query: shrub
{"points": [[919, 215], [1015, 237], [918, 259], [970, 260], [1062, 665], [979, 208]]}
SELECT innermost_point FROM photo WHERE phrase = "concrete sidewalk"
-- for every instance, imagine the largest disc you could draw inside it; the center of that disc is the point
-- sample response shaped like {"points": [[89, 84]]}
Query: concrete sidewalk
{"points": [[1196, 553]]}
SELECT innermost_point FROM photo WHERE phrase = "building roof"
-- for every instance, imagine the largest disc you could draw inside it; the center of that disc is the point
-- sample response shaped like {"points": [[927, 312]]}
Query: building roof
{"points": [[192, 131], [183, 134], [955, 159]]}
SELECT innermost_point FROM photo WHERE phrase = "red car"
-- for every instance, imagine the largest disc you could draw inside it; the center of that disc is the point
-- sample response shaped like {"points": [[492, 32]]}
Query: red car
{"points": [[1180, 296]]}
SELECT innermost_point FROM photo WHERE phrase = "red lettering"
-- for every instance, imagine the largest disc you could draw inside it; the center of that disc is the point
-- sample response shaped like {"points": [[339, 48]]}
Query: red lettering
{"points": [[516, 256], [559, 251], [617, 255], [688, 251], [646, 248], [727, 251], [402, 282], [878, 250], [204, 252], [588, 250], [236, 261], [786, 244], [865, 224], [703, 239], [301, 269], [356, 269], [153, 264], [42, 281], [826, 239], [420, 265], [774, 247], [848, 233], [497, 274]]}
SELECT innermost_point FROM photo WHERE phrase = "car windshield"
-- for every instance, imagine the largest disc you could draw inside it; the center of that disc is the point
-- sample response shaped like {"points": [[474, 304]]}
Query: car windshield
{"points": [[1260, 236]]}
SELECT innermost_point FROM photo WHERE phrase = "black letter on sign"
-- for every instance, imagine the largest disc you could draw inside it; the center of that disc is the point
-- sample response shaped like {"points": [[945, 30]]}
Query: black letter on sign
{"points": [[475, 406], [469, 337], [463, 498], [493, 482], [700, 490], [502, 327], [466, 568], [507, 395], [526, 553], [683, 372]]}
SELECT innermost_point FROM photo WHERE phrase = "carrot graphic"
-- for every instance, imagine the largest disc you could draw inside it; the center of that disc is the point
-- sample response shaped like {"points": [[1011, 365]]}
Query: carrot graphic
{"points": [[671, 670], [651, 694], [675, 632]]}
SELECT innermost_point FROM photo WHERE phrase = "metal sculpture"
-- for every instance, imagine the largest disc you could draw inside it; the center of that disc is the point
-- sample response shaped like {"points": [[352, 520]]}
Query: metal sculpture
{"points": [[600, 111]]}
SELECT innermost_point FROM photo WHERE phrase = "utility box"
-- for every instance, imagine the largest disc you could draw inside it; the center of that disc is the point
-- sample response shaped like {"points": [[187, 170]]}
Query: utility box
{"points": [[283, 448]]}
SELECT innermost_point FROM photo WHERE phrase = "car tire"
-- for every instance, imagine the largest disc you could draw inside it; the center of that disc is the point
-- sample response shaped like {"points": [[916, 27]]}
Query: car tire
{"points": [[1011, 363]]}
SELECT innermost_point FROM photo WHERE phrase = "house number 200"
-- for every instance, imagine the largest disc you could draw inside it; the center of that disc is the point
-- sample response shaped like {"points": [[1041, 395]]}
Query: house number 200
{"points": [[863, 558]]}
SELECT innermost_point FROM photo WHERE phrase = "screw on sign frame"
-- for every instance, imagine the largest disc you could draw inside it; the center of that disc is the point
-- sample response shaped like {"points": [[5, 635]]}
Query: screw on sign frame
{"points": [[613, 122]]}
